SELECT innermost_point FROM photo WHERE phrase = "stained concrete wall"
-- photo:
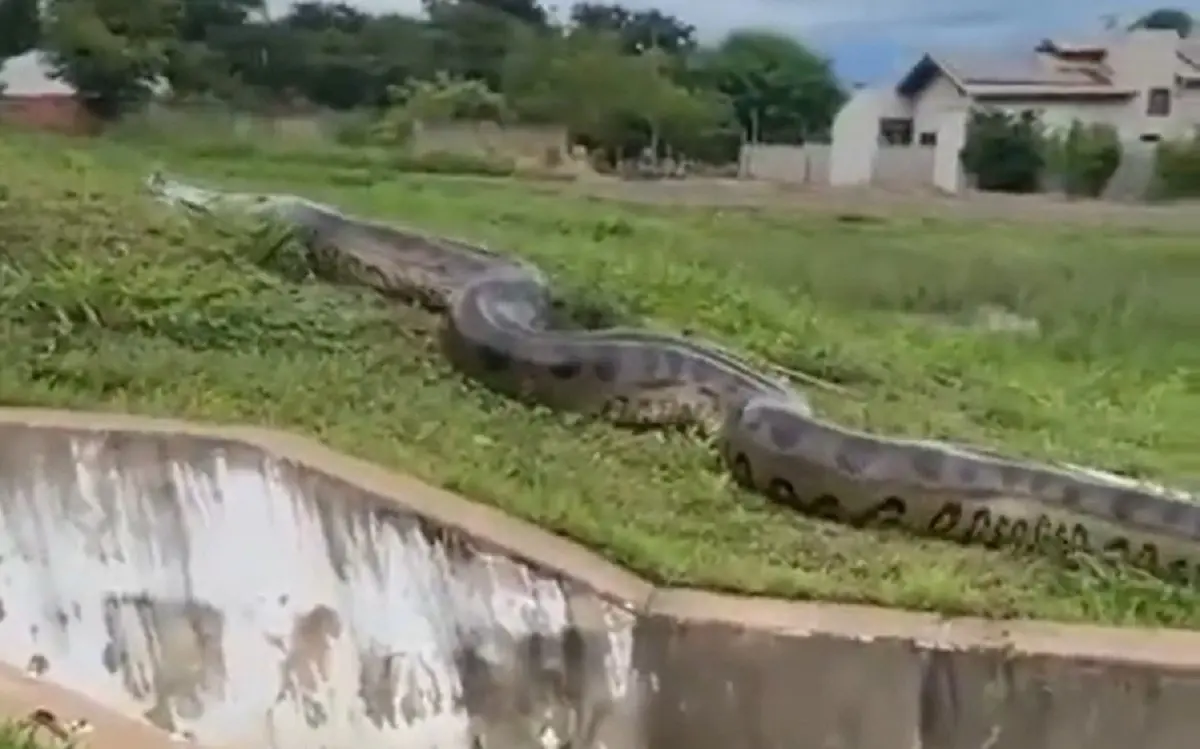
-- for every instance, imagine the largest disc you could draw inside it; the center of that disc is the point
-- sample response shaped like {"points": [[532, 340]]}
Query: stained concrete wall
{"points": [[247, 598], [256, 589]]}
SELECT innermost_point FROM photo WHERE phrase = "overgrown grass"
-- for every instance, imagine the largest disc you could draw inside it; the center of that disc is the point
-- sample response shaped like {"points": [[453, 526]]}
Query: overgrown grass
{"points": [[21, 734], [111, 303]]}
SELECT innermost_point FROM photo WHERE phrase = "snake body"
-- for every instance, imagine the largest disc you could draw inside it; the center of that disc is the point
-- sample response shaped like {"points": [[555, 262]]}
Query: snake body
{"points": [[498, 331]]}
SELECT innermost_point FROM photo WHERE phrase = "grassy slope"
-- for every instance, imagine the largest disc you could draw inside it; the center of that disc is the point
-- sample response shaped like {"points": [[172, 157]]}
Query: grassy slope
{"points": [[184, 325]]}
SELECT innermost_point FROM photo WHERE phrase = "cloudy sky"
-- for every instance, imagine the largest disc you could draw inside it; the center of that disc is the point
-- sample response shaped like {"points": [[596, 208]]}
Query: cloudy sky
{"points": [[873, 40]]}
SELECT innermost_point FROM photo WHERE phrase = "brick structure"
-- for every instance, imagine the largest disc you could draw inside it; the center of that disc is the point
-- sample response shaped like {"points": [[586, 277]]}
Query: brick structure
{"points": [[32, 98]]}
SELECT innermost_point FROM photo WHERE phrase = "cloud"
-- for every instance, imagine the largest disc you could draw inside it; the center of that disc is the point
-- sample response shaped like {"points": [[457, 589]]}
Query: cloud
{"points": [[870, 40]]}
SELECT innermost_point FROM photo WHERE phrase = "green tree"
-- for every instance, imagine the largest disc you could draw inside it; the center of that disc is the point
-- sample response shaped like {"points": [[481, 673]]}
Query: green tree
{"points": [[638, 30], [1004, 152], [113, 52], [20, 27], [194, 64], [608, 99], [528, 12], [781, 91], [470, 39], [1166, 18]]}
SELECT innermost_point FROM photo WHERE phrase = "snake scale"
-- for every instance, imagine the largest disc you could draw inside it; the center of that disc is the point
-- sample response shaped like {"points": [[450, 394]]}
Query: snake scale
{"points": [[498, 331]]}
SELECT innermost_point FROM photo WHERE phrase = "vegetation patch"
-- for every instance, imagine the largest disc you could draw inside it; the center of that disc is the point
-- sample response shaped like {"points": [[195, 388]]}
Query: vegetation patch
{"points": [[110, 302]]}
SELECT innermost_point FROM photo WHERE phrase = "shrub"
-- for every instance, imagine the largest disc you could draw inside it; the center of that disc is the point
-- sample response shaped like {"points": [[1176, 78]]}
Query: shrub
{"points": [[1003, 151], [1177, 169], [1090, 157]]}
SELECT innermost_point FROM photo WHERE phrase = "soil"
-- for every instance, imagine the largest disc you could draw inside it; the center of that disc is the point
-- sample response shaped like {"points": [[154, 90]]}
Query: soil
{"points": [[869, 202]]}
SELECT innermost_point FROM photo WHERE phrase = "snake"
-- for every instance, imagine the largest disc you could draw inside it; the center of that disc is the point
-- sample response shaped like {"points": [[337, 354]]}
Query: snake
{"points": [[499, 330]]}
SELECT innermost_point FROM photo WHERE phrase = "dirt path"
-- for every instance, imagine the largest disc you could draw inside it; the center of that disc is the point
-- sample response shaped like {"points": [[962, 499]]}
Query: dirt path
{"points": [[22, 695], [881, 202]]}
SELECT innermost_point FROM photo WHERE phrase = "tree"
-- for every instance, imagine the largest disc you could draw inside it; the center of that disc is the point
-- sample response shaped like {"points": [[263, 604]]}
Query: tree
{"points": [[581, 80], [321, 17], [638, 30], [471, 40], [1166, 18], [194, 64], [1003, 151], [607, 98], [20, 27], [113, 52], [618, 78], [527, 12], [781, 91]]}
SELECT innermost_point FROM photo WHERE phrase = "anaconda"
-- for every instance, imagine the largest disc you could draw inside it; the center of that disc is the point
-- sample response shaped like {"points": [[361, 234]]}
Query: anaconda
{"points": [[498, 331]]}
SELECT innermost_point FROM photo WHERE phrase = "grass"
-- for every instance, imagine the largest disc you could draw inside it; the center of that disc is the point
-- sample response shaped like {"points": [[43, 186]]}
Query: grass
{"points": [[14, 735], [112, 304], [38, 730]]}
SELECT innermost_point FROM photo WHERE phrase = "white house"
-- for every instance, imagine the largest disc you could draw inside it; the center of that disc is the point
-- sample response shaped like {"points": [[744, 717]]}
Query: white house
{"points": [[1146, 83]]}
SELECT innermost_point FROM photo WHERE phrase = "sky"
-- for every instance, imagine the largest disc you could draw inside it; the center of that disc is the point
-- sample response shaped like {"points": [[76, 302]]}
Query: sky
{"points": [[874, 41]]}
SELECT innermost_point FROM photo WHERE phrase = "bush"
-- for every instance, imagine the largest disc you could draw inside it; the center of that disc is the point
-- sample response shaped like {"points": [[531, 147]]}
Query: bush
{"points": [[1090, 155], [1003, 151], [1177, 169]]}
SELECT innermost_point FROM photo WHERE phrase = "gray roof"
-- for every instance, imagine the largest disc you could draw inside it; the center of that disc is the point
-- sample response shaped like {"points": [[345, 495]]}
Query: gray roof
{"points": [[1024, 67], [1189, 50], [29, 75], [1017, 73]]}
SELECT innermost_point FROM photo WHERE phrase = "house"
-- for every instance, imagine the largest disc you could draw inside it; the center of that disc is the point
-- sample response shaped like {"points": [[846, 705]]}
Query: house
{"points": [[31, 97], [1144, 82]]}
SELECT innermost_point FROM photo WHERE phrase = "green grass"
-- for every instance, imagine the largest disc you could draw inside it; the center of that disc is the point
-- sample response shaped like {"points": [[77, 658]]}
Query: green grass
{"points": [[120, 306], [29, 733]]}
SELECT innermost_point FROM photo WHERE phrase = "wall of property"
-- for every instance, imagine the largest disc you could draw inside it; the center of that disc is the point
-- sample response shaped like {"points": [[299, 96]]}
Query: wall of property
{"points": [[521, 142], [53, 113], [892, 166], [800, 165], [909, 167]]}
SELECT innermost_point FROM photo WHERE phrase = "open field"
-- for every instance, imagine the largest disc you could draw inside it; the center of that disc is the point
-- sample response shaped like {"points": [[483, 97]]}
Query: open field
{"points": [[112, 304]]}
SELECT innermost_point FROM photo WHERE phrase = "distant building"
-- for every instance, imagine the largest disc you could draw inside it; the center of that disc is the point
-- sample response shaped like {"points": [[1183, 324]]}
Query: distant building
{"points": [[29, 96], [1145, 83]]}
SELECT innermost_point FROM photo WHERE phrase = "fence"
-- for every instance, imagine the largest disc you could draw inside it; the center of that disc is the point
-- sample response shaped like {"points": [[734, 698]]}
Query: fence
{"points": [[903, 166], [210, 121], [808, 164], [521, 142], [907, 167]]}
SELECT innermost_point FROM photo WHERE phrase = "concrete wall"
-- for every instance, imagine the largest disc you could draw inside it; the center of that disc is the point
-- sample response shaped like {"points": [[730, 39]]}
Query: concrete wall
{"points": [[525, 142], [889, 166], [51, 113], [259, 590], [903, 166], [906, 167], [247, 597], [800, 165]]}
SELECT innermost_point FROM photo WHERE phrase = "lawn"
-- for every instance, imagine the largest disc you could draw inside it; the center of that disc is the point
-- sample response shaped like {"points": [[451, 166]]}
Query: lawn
{"points": [[112, 304]]}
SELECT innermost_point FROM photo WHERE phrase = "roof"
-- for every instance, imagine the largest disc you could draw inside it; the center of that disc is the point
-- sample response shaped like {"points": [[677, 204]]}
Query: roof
{"points": [[1022, 73], [1188, 53], [30, 75]]}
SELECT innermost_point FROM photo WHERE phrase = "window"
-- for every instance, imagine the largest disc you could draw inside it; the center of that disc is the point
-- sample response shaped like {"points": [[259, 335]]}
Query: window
{"points": [[895, 131], [1159, 102], [928, 139], [1150, 138]]}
